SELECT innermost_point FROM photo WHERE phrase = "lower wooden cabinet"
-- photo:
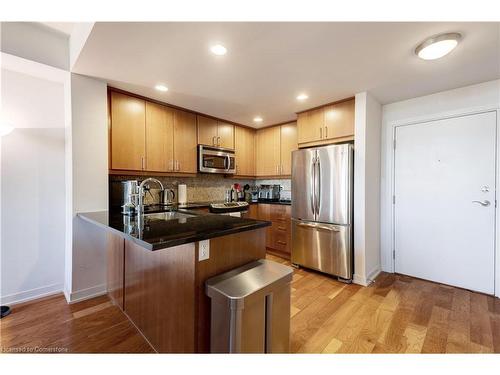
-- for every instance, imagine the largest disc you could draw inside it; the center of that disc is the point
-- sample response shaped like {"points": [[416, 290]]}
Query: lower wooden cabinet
{"points": [[279, 234]]}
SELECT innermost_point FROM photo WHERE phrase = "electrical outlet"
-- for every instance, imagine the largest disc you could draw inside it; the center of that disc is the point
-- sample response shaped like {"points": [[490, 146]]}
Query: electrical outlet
{"points": [[203, 250]]}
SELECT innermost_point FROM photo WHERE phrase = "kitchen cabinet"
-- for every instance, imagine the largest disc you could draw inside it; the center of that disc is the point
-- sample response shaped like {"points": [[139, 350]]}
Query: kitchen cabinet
{"points": [[244, 146], [159, 138], [339, 120], [151, 137], [279, 234], [185, 143], [216, 133], [288, 144], [310, 125], [268, 151], [128, 136], [274, 146], [328, 124]]}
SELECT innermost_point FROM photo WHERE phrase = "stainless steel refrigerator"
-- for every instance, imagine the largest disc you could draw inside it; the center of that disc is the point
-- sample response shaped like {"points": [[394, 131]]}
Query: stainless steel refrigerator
{"points": [[322, 204]]}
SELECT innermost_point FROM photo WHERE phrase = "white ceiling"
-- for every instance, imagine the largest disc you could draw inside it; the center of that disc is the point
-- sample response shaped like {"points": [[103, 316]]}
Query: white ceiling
{"points": [[268, 64]]}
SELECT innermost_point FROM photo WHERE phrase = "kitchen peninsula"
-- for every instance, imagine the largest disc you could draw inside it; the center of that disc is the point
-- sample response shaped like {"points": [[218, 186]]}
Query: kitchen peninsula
{"points": [[156, 271]]}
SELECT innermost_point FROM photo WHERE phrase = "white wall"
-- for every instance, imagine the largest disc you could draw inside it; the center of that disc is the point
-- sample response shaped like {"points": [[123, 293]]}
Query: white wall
{"points": [[367, 124], [89, 184], [483, 96], [35, 42], [32, 190]]}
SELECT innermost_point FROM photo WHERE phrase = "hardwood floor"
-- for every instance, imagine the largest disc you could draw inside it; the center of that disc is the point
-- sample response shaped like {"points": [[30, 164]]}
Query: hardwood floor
{"points": [[397, 314]]}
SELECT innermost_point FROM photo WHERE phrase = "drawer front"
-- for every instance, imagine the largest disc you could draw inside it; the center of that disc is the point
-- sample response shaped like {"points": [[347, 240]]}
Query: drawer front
{"points": [[281, 237], [280, 212]]}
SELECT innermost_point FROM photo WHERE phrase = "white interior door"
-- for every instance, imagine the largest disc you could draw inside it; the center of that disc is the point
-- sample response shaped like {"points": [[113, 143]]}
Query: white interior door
{"points": [[444, 179]]}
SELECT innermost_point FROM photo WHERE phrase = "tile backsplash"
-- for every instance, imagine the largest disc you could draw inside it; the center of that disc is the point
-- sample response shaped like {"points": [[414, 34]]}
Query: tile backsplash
{"points": [[202, 188]]}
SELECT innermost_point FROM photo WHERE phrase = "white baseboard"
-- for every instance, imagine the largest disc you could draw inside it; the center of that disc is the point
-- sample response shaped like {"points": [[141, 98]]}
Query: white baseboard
{"points": [[372, 275], [365, 281], [31, 294], [87, 293]]}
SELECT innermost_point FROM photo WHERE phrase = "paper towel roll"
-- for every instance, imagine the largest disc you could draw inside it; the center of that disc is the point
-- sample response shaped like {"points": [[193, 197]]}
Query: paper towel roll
{"points": [[182, 194]]}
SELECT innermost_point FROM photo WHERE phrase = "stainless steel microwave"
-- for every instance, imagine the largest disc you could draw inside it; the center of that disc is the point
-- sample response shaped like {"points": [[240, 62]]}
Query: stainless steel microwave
{"points": [[216, 160]]}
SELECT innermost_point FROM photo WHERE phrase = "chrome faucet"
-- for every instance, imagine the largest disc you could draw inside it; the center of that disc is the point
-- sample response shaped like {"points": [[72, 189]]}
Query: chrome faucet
{"points": [[142, 193]]}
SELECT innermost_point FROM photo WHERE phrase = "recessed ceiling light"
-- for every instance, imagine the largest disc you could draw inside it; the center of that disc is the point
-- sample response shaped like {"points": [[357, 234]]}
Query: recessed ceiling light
{"points": [[302, 97], [437, 46], [160, 87], [257, 119], [218, 50]]}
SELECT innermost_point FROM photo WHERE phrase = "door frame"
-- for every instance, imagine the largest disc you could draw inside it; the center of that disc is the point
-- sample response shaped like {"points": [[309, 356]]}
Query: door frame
{"points": [[426, 119]]}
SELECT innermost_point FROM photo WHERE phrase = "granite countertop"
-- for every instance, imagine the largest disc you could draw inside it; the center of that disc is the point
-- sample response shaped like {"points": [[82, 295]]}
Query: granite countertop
{"points": [[166, 229], [193, 205]]}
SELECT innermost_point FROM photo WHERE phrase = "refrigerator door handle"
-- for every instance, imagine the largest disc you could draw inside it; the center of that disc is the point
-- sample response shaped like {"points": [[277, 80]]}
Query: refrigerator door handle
{"points": [[317, 175], [313, 189], [319, 226]]}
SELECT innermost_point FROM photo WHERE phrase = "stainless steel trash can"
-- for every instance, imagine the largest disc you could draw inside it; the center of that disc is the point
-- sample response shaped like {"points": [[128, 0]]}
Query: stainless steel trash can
{"points": [[250, 309]]}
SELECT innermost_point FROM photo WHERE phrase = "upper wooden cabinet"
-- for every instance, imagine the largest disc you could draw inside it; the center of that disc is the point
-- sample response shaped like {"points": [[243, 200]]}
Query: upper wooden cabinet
{"points": [[310, 125], [185, 143], [128, 136], [207, 131], [147, 136], [288, 144], [226, 135], [244, 147], [339, 120], [268, 150], [159, 138], [334, 122], [274, 150], [213, 132]]}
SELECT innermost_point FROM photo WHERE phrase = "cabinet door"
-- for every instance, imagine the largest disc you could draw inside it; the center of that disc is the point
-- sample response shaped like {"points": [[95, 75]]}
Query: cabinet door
{"points": [[127, 132], [268, 151], [339, 120], [225, 135], [159, 138], [244, 147], [310, 126], [207, 131], [288, 144], [185, 142]]}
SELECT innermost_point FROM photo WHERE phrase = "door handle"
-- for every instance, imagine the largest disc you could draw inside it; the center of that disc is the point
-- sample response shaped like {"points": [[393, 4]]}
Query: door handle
{"points": [[318, 226], [484, 203], [313, 186], [318, 185]]}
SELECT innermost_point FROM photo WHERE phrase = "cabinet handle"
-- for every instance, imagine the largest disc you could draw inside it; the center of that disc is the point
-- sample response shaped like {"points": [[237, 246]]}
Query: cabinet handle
{"points": [[281, 242], [282, 228], [213, 140], [326, 131], [218, 141], [321, 133], [142, 162], [178, 166]]}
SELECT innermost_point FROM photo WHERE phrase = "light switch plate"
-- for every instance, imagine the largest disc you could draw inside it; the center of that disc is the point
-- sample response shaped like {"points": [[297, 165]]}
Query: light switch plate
{"points": [[203, 250]]}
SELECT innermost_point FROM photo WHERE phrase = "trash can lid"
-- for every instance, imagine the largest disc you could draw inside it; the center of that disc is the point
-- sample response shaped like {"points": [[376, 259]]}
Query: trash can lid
{"points": [[248, 279]]}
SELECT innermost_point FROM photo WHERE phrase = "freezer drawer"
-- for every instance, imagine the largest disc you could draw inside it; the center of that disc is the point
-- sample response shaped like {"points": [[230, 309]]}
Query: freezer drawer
{"points": [[323, 247]]}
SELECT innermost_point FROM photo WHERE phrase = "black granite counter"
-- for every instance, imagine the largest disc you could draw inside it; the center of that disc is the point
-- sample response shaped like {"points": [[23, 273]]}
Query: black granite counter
{"points": [[167, 229], [194, 205]]}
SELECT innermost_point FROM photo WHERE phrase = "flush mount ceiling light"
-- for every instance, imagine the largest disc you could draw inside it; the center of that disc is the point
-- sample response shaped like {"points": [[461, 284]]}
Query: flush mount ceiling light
{"points": [[161, 88], [302, 97], [437, 46], [218, 49], [257, 119]]}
